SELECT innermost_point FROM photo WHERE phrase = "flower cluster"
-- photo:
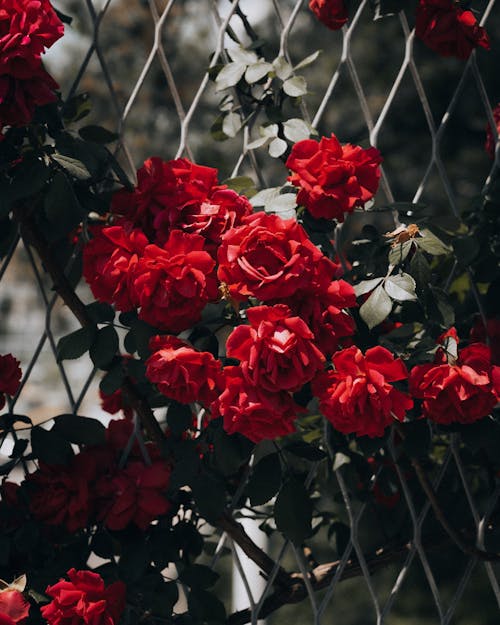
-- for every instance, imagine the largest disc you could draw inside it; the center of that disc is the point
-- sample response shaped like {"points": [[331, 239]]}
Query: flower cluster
{"points": [[10, 377], [95, 487], [27, 29]]}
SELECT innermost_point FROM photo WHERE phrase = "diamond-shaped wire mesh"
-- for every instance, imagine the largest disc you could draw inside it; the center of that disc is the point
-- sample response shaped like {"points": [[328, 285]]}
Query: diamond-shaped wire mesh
{"points": [[145, 64]]}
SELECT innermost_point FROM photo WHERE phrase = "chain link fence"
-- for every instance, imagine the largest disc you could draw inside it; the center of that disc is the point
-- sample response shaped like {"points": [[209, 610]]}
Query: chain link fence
{"points": [[347, 97]]}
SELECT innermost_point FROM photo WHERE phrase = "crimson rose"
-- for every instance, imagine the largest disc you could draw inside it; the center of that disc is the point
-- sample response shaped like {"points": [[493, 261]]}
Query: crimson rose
{"points": [[14, 609], [84, 599], [357, 396], [252, 411], [490, 142], [181, 372], [27, 27], [108, 259], [332, 178], [276, 350], [333, 13], [10, 377], [460, 392], [19, 97], [267, 257], [171, 285], [134, 494], [448, 29]]}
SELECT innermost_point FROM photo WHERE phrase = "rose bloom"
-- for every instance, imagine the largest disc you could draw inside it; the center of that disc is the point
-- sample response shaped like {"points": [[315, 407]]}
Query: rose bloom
{"points": [[252, 411], [27, 27], [163, 189], [460, 392], [267, 257], [333, 179], [490, 142], [115, 403], [135, 494], [172, 285], [357, 397], [19, 97], [84, 599], [181, 372], [10, 377], [14, 609], [277, 350], [332, 13], [479, 334], [62, 495], [108, 259], [448, 29], [322, 306]]}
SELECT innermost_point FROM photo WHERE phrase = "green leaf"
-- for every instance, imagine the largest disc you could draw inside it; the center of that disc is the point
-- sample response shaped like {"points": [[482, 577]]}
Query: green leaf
{"points": [[97, 134], [296, 130], [204, 607], [198, 576], [231, 124], [420, 270], [48, 446], [265, 480], [77, 108], [104, 346], [80, 430], [62, 208], [305, 450], [210, 497], [401, 287], [133, 561], [113, 380], [430, 243], [295, 86], [376, 308], [73, 166], [179, 418], [231, 451], [241, 184], [444, 307], [29, 177], [229, 75], [100, 312], [293, 511], [75, 344], [399, 252], [366, 286]]}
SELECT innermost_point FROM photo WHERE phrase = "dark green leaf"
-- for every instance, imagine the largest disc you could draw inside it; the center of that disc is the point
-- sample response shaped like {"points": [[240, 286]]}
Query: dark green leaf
{"points": [[418, 438], [4, 550], [466, 249], [420, 270], [163, 599], [210, 497], [265, 480], [134, 561], [61, 206], [50, 447], [305, 450], [230, 451], [198, 576], [73, 166], [29, 178], [179, 418], [188, 539], [242, 185], [206, 608], [19, 447], [77, 107], [104, 346], [75, 344], [293, 511], [113, 380], [80, 430], [443, 307], [97, 134], [102, 544], [342, 534], [100, 312]]}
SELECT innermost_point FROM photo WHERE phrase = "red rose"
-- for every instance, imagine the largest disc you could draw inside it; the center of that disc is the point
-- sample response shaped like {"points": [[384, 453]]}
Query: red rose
{"points": [[27, 27], [19, 98], [333, 179], [84, 599], [108, 259], [457, 393], [171, 285], [357, 396], [277, 351], [490, 142], [222, 210], [135, 494], [61, 495], [10, 377], [449, 30], [163, 189], [115, 403], [267, 257], [333, 13], [322, 306], [253, 412], [181, 372], [14, 609]]}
